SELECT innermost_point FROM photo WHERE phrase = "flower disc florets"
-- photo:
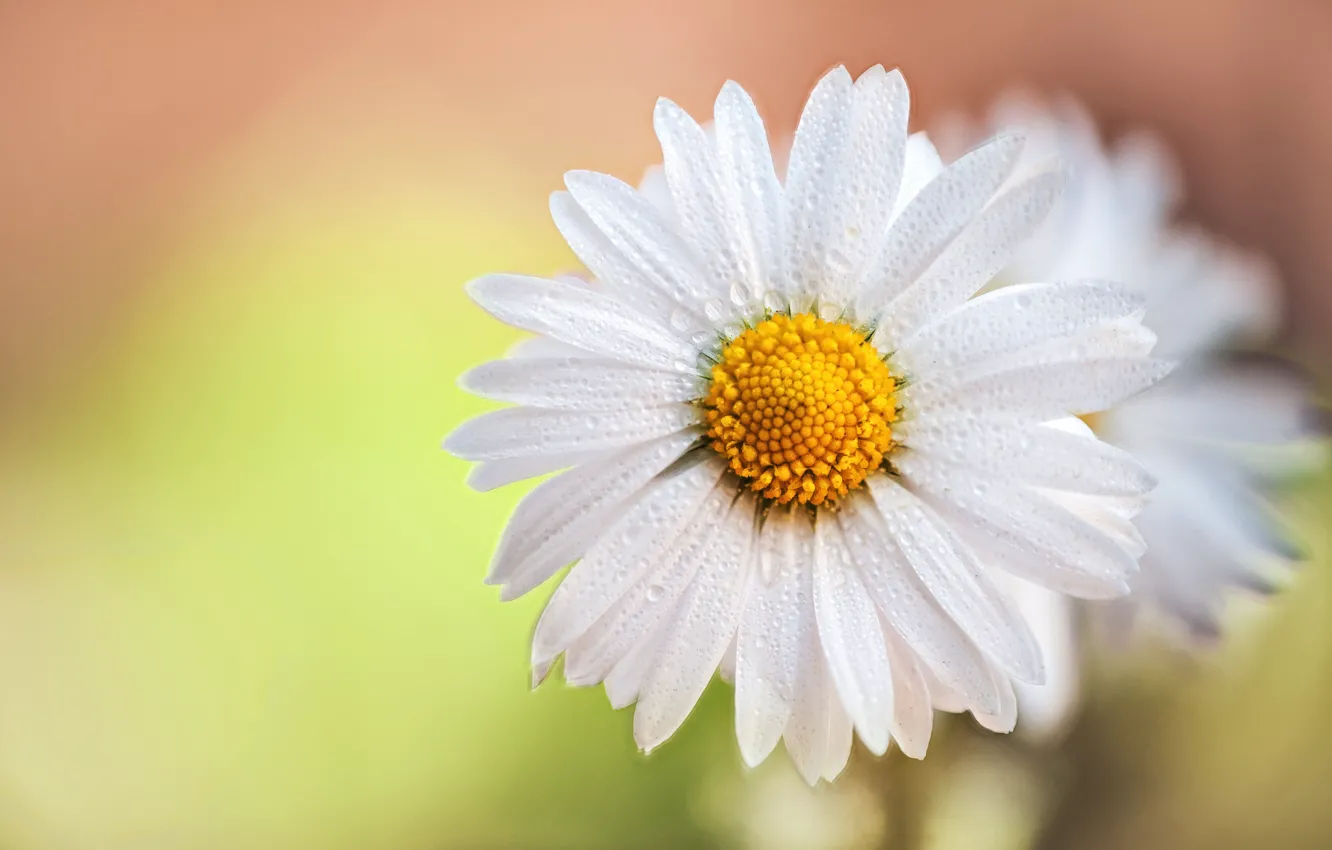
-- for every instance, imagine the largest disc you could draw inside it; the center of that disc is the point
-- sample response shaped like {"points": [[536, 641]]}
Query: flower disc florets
{"points": [[802, 408]]}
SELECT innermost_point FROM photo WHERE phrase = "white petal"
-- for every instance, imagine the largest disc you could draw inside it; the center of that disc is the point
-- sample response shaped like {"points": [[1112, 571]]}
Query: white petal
{"points": [[694, 176], [497, 473], [1013, 318], [1126, 337], [952, 575], [1041, 392], [942, 697], [583, 318], [542, 346], [539, 673], [913, 613], [913, 712], [852, 637], [818, 735], [1120, 339], [1022, 531], [778, 621], [978, 253], [647, 241], [525, 431], [858, 222], [654, 187], [936, 215], [1111, 516], [1031, 454], [807, 732], [627, 548], [700, 631], [813, 177], [923, 164], [1072, 425], [560, 517], [1005, 718], [625, 680], [579, 383], [652, 601], [621, 279], [837, 751], [753, 193], [1201, 404]]}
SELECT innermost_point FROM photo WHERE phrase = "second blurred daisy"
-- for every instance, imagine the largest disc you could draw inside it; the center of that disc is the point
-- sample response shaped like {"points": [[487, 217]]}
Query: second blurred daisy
{"points": [[1219, 433]]}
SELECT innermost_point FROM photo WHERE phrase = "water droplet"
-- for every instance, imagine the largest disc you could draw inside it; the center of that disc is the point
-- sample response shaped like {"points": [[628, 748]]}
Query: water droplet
{"points": [[680, 320], [837, 262], [655, 592]]}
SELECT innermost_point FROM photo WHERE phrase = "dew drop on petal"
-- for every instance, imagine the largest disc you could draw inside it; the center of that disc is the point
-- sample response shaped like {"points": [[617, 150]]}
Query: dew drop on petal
{"points": [[837, 262]]}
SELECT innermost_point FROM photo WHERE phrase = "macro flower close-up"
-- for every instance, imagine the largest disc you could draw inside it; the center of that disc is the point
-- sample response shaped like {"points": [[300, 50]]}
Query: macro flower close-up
{"points": [[798, 448], [523, 426]]}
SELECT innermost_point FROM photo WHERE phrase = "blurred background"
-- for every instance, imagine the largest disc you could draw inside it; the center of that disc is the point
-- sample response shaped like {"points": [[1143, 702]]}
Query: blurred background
{"points": [[240, 586]]}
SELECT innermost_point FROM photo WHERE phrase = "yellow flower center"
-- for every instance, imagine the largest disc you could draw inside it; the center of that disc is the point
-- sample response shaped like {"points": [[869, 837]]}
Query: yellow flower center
{"points": [[802, 408]]}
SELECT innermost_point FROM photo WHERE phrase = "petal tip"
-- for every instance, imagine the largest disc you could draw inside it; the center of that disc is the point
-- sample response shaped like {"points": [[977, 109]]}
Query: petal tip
{"points": [[875, 739], [539, 673], [477, 287], [450, 443], [733, 89], [510, 592]]}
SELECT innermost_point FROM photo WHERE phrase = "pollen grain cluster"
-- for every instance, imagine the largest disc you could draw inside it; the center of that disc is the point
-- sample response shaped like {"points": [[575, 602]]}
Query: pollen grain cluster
{"points": [[802, 408]]}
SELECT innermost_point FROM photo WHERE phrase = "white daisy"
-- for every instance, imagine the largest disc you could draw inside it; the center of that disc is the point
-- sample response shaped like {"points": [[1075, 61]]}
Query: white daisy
{"points": [[788, 424], [1208, 525]]}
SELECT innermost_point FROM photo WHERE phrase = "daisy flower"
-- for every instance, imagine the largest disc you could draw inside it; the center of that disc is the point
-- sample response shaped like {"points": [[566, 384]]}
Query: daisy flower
{"points": [[796, 448], [1218, 432]]}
